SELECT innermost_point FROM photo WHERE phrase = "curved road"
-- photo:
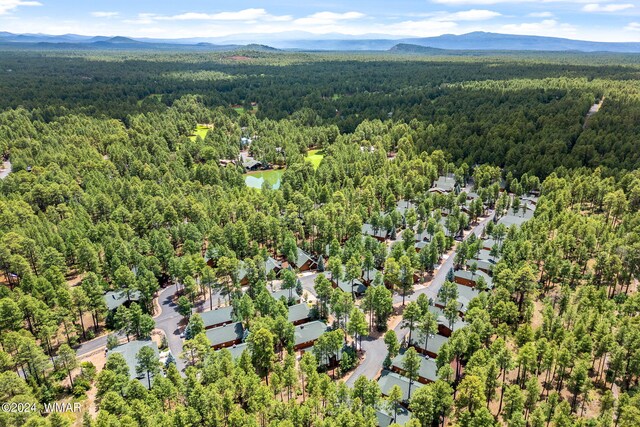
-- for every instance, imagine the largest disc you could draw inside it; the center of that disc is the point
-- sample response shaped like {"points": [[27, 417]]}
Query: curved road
{"points": [[375, 349]]}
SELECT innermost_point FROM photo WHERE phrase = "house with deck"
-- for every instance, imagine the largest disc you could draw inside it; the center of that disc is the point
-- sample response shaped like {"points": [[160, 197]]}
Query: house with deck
{"points": [[217, 317], [225, 336], [307, 334], [427, 373]]}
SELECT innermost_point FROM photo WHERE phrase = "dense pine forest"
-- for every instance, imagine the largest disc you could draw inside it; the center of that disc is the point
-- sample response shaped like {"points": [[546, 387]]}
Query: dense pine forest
{"points": [[125, 180]]}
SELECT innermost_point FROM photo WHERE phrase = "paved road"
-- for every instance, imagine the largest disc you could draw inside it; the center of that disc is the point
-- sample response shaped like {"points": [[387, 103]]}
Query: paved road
{"points": [[168, 321], [375, 349]]}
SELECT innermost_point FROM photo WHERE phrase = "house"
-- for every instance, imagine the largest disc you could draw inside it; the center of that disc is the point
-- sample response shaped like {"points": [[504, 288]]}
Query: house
{"points": [[369, 275], [251, 165], [434, 343], [272, 264], [404, 205], [356, 287], [129, 352], [427, 373], [444, 184], [303, 261], [225, 336], [384, 417], [467, 278], [465, 295], [389, 379], [488, 244], [299, 313], [484, 265], [217, 317], [236, 350], [378, 233], [306, 335], [286, 293], [445, 328], [115, 299]]}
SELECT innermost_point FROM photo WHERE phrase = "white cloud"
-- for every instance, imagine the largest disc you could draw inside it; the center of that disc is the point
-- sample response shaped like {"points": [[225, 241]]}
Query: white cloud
{"points": [[633, 26], [547, 27], [612, 7], [328, 18], [541, 15], [246, 15], [7, 6], [473, 15], [104, 14]]}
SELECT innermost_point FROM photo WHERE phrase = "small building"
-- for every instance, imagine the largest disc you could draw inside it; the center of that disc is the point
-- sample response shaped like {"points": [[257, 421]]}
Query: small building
{"points": [[402, 206], [286, 294], [217, 317], [484, 265], [427, 373], [303, 261], [272, 264], [378, 233], [299, 313], [307, 334], [115, 299], [225, 336], [467, 278], [384, 417], [389, 379], [445, 328], [369, 275], [236, 350], [465, 295], [129, 352], [356, 287], [251, 165], [434, 343], [488, 244]]}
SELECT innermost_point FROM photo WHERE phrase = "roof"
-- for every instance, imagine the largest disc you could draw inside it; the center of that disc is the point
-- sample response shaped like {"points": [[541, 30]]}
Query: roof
{"points": [[272, 264], [433, 345], [251, 164], [285, 293], [302, 258], [385, 417], [388, 379], [442, 319], [488, 243], [368, 230], [428, 368], [225, 334], [467, 275], [299, 312], [483, 264], [345, 285], [445, 183], [216, 316], [130, 350], [465, 295], [309, 332], [115, 299], [404, 205], [237, 350], [369, 275]]}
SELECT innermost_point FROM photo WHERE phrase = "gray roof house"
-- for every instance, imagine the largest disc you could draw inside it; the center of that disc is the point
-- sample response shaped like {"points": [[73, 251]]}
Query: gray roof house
{"points": [[385, 417], [130, 350], [225, 336], [305, 335], [427, 373], [303, 260], [434, 343], [388, 379], [285, 293], [217, 317], [299, 313], [380, 233], [465, 295], [115, 299], [465, 277], [236, 350]]}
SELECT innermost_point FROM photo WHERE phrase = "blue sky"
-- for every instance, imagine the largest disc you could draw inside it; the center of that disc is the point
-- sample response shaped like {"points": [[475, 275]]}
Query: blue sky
{"points": [[602, 20]]}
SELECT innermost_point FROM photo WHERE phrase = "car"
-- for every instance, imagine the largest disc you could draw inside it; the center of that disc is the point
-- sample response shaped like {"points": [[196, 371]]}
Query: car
{"points": [[182, 334]]}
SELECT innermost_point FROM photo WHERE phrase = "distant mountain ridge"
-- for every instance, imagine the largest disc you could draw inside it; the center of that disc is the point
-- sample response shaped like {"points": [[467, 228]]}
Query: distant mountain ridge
{"points": [[476, 41]]}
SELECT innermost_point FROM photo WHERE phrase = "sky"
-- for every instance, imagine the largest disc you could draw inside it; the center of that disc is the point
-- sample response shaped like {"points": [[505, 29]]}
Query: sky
{"points": [[259, 21]]}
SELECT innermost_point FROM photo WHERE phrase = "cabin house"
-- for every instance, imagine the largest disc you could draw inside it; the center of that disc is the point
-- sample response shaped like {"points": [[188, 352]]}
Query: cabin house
{"points": [[484, 265], [444, 184], [384, 417], [465, 295], [378, 233], [402, 206], [445, 328], [251, 165], [368, 276], [355, 286], [467, 278], [303, 261], [236, 350], [217, 317], [307, 334], [389, 379], [299, 313], [488, 244], [427, 373], [287, 294], [225, 336], [433, 344], [129, 352], [115, 299]]}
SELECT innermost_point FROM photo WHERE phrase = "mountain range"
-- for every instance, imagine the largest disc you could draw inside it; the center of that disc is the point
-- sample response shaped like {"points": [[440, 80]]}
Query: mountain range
{"points": [[476, 41]]}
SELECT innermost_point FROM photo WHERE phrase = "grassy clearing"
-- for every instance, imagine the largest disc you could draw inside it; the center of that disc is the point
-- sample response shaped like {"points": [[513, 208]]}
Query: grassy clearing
{"points": [[315, 157], [201, 131]]}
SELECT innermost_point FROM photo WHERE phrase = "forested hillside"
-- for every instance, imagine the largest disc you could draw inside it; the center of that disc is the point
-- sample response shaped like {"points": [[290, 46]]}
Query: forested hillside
{"points": [[113, 191]]}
